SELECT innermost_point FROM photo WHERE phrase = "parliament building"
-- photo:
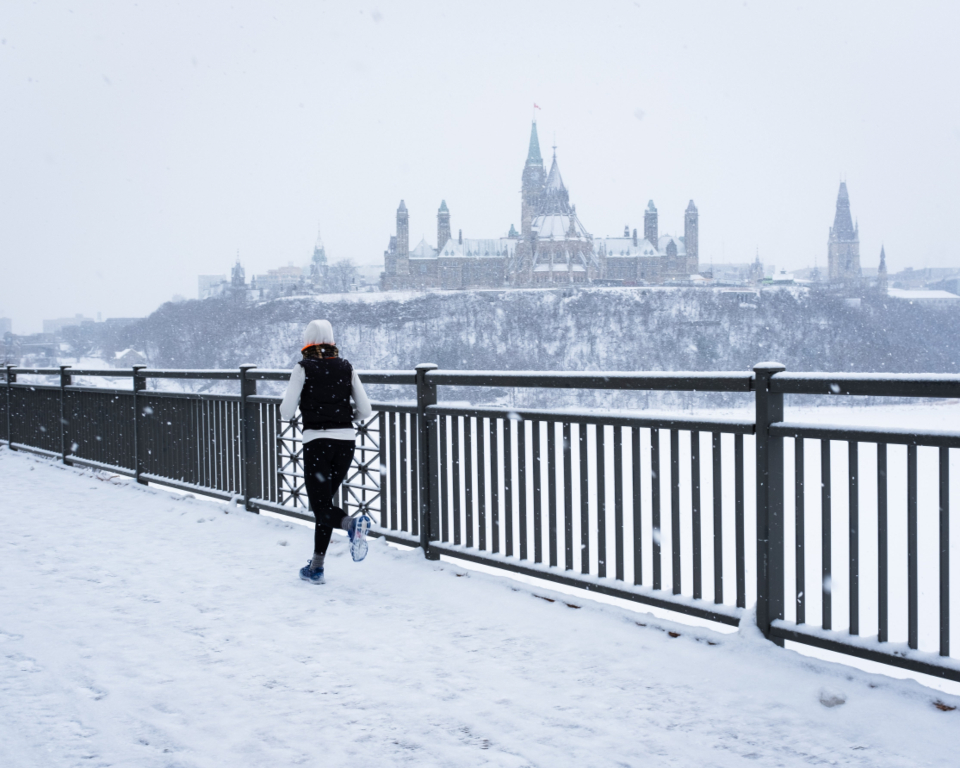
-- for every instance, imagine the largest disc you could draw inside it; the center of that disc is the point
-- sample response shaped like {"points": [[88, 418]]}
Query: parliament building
{"points": [[552, 247]]}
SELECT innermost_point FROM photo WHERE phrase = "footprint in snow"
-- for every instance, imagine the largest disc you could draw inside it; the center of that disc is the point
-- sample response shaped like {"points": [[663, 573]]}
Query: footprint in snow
{"points": [[91, 691], [831, 698], [25, 663]]}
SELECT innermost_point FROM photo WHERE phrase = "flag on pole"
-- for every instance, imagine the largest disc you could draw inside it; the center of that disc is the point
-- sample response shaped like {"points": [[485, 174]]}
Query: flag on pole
{"points": [[536, 106]]}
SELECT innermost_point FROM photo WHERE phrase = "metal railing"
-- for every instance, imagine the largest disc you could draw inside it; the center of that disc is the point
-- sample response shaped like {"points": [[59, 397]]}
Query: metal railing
{"points": [[704, 516]]}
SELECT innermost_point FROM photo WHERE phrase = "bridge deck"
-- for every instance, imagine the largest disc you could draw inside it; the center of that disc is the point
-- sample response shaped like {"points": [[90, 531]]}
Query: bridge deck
{"points": [[138, 627]]}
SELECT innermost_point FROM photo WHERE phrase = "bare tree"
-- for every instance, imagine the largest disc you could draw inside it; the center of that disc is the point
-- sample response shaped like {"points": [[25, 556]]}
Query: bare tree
{"points": [[342, 274]]}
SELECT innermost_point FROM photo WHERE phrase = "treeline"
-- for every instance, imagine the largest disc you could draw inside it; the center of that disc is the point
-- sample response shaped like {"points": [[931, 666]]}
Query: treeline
{"points": [[565, 330]]}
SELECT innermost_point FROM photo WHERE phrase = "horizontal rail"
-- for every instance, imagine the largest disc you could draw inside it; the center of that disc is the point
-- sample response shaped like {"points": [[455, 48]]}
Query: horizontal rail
{"points": [[690, 381], [368, 377], [905, 659], [927, 385], [203, 373], [103, 373], [153, 393], [394, 407], [182, 486], [268, 374], [143, 373], [259, 374], [893, 436], [274, 400], [616, 419], [31, 449], [935, 385], [39, 387], [90, 464], [712, 612], [36, 371], [97, 390], [279, 509]]}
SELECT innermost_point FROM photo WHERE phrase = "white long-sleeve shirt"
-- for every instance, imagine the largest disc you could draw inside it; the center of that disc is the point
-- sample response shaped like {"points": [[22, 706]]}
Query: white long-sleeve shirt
{"points": [[291, 401]]}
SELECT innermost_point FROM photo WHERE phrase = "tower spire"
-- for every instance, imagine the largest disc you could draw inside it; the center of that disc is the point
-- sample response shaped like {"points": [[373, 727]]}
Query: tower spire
{"points": [[443, 225], [843, 245], [882, 271], [531, 194], [533, 153]]}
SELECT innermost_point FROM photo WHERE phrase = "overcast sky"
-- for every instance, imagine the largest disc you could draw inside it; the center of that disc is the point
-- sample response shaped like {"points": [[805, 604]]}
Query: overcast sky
{"points": [[145, 144]]}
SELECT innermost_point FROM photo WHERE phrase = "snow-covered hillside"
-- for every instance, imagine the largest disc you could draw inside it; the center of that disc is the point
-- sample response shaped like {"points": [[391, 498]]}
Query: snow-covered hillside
{"points": [[576, 329], [157, 630], [573, 329]]}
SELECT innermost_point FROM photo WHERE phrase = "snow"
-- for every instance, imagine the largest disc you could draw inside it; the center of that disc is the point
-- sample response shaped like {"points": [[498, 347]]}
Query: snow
{"points": [[898, 293], [423, 251], [145, 628], [479, 248], [664, 240], [128, 351], [556, 225]]}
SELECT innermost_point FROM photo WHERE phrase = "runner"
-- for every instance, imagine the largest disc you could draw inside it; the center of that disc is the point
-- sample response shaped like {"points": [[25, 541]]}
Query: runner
{"points": [[321, 384]]}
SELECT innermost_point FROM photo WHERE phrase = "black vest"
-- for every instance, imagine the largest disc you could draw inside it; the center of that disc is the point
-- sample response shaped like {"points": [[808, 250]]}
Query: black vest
{"points": [[325, 397]]}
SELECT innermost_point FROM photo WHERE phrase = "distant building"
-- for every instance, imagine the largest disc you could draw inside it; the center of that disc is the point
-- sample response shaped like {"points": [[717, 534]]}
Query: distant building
{"points": [[211, 285], [119, 322], [319, 269], [36, 349], [553, 247], [238, 278], [933, 299], [782, 277], [951, 284], [55, 326], [6, 325], [882, 271], [910, 278], [368, 278], [279, 281], [737, 272], [283, 281], [843, 245]]}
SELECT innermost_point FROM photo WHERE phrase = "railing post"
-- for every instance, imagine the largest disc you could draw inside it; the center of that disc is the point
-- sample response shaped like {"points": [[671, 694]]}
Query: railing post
{"points": [[65, 381], [139, 384], [769, 459], [11, 378], [428, 462], [250, 443]]}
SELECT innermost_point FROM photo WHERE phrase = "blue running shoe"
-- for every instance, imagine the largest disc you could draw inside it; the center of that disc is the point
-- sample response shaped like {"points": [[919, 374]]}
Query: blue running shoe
{"points": [[358, 536], [314, 577]]}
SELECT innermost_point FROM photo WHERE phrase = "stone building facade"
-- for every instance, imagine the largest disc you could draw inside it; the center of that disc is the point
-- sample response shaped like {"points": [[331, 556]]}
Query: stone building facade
{"points": [[553, 247], [843, 245]]}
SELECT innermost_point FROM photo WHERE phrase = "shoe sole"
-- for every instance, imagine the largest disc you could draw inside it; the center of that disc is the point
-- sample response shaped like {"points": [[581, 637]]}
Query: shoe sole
{"points": [[358, 547]]}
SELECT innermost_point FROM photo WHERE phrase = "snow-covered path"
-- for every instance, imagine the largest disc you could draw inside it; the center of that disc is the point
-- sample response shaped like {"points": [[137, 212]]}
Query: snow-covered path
{"points": [[141, 628]]}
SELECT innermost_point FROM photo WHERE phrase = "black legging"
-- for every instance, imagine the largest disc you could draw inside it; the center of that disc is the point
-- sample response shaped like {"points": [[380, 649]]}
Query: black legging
{"points": [[325, 465]]}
